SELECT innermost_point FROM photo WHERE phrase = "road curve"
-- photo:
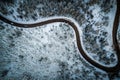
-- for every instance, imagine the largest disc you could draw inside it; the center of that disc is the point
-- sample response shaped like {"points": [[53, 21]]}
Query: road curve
{"points": [[113, 69]]}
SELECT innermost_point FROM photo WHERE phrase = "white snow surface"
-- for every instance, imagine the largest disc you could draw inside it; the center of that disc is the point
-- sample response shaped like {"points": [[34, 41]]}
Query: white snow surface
{"points": [[40, 43]]}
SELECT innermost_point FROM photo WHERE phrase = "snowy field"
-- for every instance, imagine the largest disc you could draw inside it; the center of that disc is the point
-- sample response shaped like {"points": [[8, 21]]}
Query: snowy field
{"points": [[50, 52]]}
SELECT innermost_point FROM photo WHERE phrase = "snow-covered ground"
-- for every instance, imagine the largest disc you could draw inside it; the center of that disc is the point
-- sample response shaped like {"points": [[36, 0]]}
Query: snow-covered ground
{"points": [[46, 52], [98, 36], [50, 52], [118, 34]]}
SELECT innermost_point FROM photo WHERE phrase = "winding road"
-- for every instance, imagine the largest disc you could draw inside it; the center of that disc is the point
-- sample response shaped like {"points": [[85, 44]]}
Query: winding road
{"points": [[113, 69]]}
